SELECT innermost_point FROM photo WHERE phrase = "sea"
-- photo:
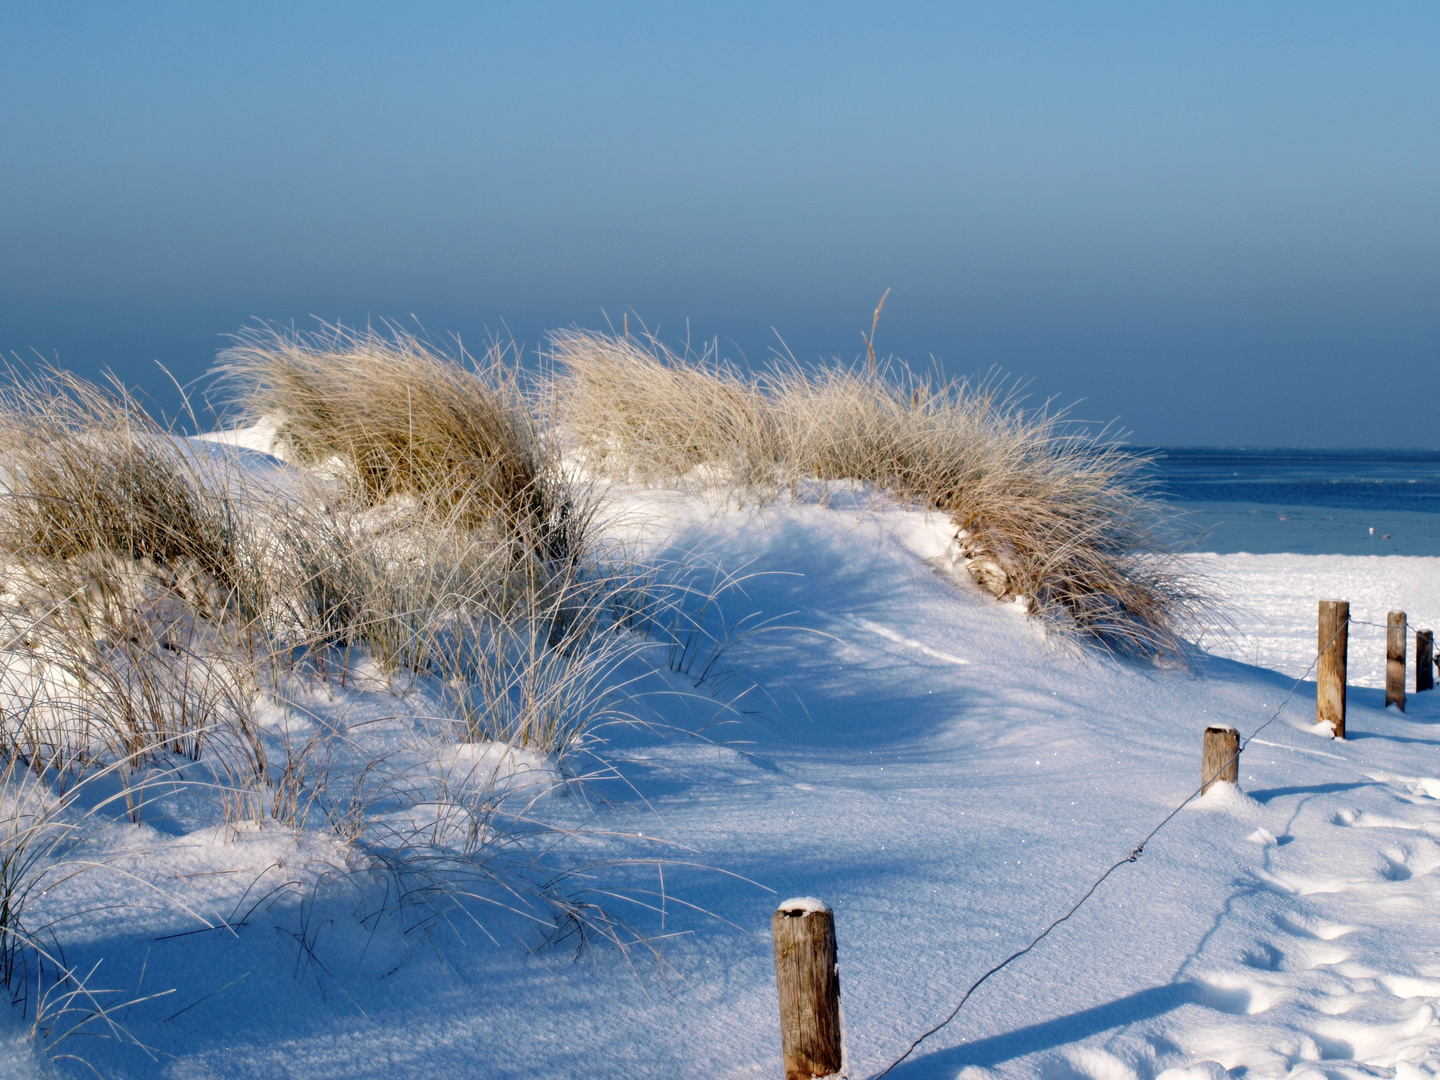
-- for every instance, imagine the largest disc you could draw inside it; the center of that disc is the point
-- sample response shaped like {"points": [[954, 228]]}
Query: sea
{"points": [[1307, 502]]}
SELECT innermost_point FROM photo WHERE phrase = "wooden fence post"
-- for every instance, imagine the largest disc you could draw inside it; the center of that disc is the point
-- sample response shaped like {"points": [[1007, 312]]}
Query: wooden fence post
{"points": [[1424, 660], [1395, 659], [1220, 757], [1330, 673], [808, 978]]}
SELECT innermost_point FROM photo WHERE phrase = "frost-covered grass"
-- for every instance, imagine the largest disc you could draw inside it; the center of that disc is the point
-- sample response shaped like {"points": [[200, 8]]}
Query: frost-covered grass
{"points": [[1046, 510]]}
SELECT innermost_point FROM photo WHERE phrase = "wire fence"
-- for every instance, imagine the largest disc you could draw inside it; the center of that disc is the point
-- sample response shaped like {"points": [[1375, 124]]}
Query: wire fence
{"points": [[1134, 854], [1380, 625], [1365, 622]]}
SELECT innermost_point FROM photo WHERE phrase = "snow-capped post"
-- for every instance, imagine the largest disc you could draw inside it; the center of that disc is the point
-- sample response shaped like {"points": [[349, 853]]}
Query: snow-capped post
{"points": [[1330, 671], [1220, 757], [1424, 660], [808, 978], [1395, 659]]}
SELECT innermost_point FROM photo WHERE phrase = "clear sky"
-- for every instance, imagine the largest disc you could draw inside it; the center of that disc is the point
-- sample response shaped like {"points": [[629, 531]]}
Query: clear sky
{"points": [[1216, 222]]}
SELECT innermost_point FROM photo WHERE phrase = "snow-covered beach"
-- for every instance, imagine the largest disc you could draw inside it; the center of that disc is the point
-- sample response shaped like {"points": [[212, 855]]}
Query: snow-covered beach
{"points": [[928, 762], [719, 540]]}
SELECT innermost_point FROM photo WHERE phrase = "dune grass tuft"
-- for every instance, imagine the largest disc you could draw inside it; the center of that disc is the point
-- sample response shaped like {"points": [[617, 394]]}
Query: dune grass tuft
{"points": [[403, 418], [86, 470], [1043, 509], [467, 554], [643, 413], [128, 581]]}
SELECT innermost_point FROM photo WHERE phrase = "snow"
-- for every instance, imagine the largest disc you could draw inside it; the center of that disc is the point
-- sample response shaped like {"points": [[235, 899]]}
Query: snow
{"points": [[895, 746], [263, 436], [1274, 600], [802, 905]]}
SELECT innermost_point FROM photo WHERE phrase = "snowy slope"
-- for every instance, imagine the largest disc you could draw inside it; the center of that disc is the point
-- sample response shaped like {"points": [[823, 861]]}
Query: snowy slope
{"points": [[949, 780]]}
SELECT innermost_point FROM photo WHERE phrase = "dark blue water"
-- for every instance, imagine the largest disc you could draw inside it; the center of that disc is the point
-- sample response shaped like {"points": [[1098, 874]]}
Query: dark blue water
{"points": [[1341, 502]]}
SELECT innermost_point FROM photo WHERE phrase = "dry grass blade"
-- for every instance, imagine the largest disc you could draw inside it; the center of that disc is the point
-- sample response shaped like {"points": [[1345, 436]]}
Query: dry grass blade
{"points": [[874, 324]]}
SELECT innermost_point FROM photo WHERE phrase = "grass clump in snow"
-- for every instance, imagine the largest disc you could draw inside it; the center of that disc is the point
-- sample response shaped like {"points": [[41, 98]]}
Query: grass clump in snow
{"points": [[518, 650], [402, 418], [1043, 510], [164, 597], [129, 580], [463, 551], [88, 471]]}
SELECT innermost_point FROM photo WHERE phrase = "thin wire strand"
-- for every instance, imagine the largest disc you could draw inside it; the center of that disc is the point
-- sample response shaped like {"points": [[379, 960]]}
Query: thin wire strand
{"points": [[1135, 853], [1382, 626]]}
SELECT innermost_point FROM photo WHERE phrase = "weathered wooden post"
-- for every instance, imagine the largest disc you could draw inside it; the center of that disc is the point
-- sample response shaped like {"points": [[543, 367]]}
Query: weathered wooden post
{"points": [[1395, 659], [1424, 660], [1220, 757], [808, 978], [1330, 671]]}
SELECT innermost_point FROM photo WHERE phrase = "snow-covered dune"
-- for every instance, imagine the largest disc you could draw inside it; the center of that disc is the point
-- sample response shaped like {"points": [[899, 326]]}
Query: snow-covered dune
{"points": [[949, 780]]}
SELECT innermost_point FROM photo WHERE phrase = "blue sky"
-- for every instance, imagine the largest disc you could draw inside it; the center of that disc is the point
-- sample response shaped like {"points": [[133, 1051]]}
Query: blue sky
{"points": [[1219, 223]]}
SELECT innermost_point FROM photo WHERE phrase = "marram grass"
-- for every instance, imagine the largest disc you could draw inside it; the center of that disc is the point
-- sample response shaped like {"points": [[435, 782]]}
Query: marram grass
{"points": [[403, 418], [1043, 509]]}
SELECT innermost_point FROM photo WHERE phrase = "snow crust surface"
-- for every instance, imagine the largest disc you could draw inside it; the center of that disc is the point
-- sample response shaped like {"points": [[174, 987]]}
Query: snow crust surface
{"points": [[897, 746], [808, 904]]}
